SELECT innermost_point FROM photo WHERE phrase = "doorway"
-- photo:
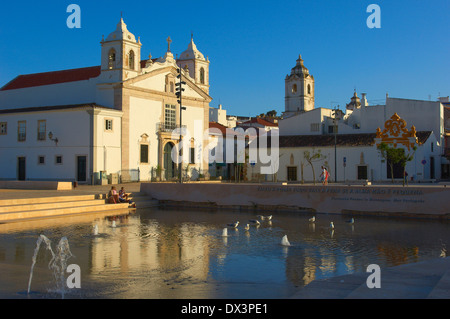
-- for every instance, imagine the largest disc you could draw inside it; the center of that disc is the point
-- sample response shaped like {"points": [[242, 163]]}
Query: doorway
{"points": [[21, 168], [169, 165], [81, 168], [432, 175]]}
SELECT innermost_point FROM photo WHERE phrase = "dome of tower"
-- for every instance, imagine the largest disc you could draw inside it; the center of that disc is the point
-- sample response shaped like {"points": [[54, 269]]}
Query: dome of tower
{"points": [[121, 33], [300, 68], [191, 52]]}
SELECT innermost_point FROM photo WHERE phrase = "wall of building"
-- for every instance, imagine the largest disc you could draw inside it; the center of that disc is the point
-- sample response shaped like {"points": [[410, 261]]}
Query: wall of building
{"points": [[301, 124], [70, 127], [367, 156], [145, 114]]}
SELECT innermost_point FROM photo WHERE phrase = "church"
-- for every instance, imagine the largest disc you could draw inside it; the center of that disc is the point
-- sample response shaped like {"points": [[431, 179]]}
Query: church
{"points": [[112, 121]]}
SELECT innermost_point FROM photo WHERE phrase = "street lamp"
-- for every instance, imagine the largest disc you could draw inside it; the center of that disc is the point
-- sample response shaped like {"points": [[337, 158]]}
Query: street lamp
{"points": [[178, 92], [335, 111], [50, 136]]}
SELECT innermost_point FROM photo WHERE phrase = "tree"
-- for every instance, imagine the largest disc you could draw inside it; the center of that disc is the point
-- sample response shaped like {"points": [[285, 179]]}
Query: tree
{"points": [[272, 113], [312, 157], [395, 156]]}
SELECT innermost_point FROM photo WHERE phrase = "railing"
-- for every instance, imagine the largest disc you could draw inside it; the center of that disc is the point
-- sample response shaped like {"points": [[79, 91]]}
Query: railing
{"points": [[164, 127], [130, 175]]}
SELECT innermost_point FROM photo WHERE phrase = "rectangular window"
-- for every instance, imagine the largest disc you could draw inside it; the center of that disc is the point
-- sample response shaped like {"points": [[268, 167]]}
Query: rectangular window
{"points": [[292, 173], [315, 127], [3, 128], [144, 153], [108, 125], [58, 159], [22, 131], [41, 160], [170, 117], [41, 130]]}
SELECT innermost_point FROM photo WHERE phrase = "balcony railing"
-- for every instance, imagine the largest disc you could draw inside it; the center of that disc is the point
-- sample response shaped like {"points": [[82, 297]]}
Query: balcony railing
{"points": [[164, 127]]}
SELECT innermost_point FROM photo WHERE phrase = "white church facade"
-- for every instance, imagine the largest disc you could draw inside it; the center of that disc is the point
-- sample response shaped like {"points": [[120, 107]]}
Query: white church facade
{"points": [[115, 119]]}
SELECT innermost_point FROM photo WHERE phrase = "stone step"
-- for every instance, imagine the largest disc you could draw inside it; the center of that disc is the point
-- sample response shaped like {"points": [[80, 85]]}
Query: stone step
{"points": [[53, 199], [118, 211], [52, 205], [42, 213]]}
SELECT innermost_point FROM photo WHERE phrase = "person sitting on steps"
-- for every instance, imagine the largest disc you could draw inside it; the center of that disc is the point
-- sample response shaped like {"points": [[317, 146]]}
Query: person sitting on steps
{"points": [[113, 197]]}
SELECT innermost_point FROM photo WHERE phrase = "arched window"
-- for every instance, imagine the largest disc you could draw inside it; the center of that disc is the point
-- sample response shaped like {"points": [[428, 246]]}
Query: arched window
{"points": [[111, 59], [309, 89], [131, 60], [202, 76], [294, 88]]}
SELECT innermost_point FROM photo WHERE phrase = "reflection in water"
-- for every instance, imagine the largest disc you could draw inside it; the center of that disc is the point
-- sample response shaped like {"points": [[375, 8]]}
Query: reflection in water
{"points": [[156, 253]]}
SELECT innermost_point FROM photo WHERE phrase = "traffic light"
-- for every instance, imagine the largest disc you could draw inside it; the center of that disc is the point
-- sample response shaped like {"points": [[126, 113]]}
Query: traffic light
{"points": [[178, 88]]}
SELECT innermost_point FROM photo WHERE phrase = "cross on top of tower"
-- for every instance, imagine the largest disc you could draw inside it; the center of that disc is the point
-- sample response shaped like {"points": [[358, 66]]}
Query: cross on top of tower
{"points": [[169, 41]]}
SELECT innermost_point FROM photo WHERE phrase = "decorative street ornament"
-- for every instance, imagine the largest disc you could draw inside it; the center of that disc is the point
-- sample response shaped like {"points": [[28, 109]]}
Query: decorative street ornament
{"points": [[395, 132]]}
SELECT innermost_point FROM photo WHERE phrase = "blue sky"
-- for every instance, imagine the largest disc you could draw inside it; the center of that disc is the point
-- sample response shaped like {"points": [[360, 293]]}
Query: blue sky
{"points": [[252, 45]]}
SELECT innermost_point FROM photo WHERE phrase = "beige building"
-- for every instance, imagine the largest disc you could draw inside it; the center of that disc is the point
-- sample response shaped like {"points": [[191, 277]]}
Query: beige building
{"points": [[116, 119]]}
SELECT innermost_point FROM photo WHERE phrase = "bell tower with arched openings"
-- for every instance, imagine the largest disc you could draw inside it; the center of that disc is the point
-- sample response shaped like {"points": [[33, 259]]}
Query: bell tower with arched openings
{"points": [[121, 55], [299, 89], [196, 64]]}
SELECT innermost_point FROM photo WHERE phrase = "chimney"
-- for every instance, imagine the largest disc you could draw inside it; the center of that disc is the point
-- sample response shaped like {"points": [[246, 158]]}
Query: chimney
{"points": [[364, 100]]}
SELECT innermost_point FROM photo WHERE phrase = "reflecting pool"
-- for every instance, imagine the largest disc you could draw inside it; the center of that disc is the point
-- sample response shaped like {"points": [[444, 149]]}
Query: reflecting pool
{"points": [[170, 253]]}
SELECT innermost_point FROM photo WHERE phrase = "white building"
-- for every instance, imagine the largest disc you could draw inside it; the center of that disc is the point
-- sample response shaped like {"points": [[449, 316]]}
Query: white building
{"points": [[116, 118], [307, 130], [218, 115]]}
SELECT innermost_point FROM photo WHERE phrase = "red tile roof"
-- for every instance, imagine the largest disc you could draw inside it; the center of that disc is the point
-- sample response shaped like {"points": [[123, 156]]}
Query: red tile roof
{"points": [[219, 126], [55, 77], [260, 121], [327, 140]]}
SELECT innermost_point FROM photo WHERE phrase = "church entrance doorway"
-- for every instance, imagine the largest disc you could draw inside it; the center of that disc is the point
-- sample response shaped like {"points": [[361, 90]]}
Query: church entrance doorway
{"points": [[169, 165]]}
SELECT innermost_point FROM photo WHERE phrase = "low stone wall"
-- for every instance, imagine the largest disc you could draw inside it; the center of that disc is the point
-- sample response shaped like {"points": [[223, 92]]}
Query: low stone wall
{"points": [[412, 201], [38, 185]]}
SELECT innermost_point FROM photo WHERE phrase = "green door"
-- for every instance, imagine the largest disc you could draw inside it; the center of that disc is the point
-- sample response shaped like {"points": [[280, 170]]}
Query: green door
{"points": [[169, 165]]}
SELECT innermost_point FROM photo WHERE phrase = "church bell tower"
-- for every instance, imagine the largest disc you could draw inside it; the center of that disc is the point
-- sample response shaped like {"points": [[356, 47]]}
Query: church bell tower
{"points": [[299, 89], [121, 55]]}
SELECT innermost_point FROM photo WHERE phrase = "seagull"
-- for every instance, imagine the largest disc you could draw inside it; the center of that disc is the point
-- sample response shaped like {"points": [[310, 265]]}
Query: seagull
{"points": [[234, 225], [312, 219], [331, 225], [254, 221], [265, 217], [247, 227], [351, 221]]}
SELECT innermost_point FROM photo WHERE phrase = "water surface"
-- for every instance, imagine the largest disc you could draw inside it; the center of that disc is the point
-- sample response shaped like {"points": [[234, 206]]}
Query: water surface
{"points": [[161, 253]]}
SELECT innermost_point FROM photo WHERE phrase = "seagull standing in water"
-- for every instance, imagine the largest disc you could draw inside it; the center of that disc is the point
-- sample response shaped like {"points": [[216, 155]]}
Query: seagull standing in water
{"points": [[265, 217], [234, 225], [351, 221], [254, 222], [331, 225], [312, 219], [247, 227]]}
